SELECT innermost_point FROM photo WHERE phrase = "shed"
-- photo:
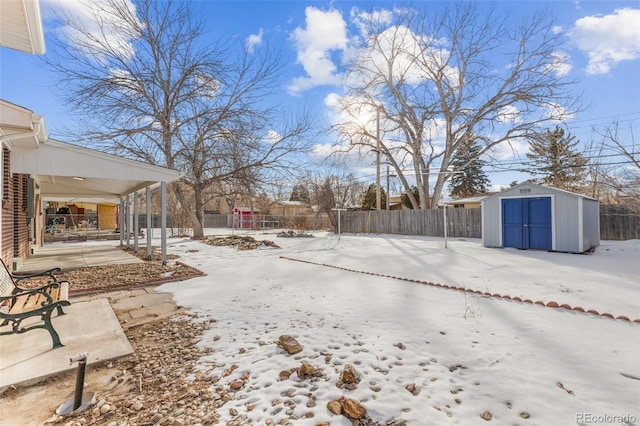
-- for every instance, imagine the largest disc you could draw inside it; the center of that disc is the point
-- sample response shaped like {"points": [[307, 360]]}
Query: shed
{"points": [[530, 216], [245, 218]]}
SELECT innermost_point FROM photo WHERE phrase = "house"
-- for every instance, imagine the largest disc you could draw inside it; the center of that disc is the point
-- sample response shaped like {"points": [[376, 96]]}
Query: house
{"points": [[289, 208], [472, 202], [395, 202], [531, 216], [36, 169]]}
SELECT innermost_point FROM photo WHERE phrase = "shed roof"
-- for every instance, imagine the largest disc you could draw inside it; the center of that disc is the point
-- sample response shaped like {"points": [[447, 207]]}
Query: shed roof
{"points": [[535, 185]]}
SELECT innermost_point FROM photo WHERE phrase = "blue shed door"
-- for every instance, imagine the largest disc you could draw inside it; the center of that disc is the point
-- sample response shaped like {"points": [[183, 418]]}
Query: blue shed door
{"points": [[526, 223]]}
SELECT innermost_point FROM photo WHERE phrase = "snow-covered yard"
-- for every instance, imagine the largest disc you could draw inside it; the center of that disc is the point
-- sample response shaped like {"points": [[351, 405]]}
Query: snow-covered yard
{"points": [[464, 356]]}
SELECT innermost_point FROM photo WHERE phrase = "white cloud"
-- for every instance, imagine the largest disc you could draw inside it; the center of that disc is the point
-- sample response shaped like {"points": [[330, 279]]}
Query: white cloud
{"points": [[608, 39], [254, 40], [561, 64], [516, 148], [363, 19], [100, 20], [325, 31], [558, 113], [509, 114], [273, 137]]}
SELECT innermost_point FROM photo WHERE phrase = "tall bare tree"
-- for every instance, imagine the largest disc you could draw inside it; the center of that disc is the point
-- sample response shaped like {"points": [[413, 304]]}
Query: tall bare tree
{"points": [[151, 85], [442, 80], [616, 170]]}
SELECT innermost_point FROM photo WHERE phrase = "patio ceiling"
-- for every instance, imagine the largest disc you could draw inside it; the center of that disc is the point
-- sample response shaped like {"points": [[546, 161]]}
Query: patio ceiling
{"points": [[66, 172]]}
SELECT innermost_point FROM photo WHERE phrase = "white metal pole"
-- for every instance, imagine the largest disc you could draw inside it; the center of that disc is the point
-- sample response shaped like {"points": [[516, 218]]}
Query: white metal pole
{"points": [[121, 221], [127, 219], [163, 220], [445, 226], [149, 251], [136, 226]]}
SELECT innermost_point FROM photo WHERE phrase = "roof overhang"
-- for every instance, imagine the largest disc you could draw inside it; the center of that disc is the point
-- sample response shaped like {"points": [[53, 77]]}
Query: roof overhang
{"points": [[20, 126], [71, 173], [21, 26]]}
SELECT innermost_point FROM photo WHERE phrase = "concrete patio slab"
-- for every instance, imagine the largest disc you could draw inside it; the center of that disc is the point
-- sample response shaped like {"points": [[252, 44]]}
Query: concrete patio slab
{"points": [[68, 256], [88, 326]]}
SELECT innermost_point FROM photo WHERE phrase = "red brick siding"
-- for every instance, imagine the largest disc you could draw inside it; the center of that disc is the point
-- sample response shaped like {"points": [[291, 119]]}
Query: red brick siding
{"points": [[7, 209], [21, 245]]}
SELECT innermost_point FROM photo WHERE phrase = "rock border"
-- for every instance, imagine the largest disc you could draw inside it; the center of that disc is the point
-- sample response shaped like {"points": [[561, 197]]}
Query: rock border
{"points": [[549, 304]]}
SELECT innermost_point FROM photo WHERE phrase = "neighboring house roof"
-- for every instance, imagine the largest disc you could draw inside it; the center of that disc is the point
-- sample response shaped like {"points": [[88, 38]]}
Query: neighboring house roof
{"points": [[535, 185], [291, 203], [468, 200], [67, 172], [21, 26]]}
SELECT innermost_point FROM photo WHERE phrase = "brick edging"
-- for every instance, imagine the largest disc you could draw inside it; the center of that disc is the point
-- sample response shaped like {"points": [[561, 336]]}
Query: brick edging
{"points": [[128, 286], [550, 304]]}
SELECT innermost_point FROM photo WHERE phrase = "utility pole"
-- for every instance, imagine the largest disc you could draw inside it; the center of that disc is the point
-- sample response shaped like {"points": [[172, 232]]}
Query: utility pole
{"points": [[388, 193], [378, 196]]}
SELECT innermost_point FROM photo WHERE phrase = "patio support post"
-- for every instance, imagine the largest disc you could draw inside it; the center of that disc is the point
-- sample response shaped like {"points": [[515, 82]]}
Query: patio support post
{"points": [[121, 221], [136, 226], [127, 218], [148, 201], [163, 234]]}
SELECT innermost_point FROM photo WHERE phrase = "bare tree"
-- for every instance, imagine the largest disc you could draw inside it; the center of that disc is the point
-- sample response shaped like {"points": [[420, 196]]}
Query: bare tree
{"points": [[334, 189], [437, 83], [616, 170], [150, 86]]}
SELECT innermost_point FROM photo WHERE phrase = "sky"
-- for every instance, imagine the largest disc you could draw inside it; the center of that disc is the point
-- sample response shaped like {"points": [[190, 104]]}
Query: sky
{"points": [[466, 353], [602, 52]]}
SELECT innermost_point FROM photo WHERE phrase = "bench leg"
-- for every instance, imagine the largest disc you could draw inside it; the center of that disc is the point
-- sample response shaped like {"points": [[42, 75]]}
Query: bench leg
{"points": [[49, 326], [60, 311]]}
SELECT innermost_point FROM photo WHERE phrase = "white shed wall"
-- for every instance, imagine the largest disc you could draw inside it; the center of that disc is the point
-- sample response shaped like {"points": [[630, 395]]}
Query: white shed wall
{"points": [[575, 219], [590, 224]]}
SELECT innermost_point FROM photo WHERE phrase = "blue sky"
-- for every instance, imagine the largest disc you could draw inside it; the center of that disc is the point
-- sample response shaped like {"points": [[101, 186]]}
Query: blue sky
{"points": [[603, 53]]}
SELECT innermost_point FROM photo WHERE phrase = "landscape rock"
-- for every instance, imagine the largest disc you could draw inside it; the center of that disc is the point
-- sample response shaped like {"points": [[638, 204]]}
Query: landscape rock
{"points": [[306, 370], [352, 408], [349, 374], [335, 407], [289, 344]]}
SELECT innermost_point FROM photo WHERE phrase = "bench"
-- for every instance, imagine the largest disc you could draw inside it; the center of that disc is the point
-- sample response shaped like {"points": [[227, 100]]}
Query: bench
{"points": [[18, 303]]}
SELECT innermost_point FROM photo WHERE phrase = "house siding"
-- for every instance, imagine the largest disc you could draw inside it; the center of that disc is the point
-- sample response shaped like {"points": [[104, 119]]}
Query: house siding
{"points": [[21, 246], [7, 209]]}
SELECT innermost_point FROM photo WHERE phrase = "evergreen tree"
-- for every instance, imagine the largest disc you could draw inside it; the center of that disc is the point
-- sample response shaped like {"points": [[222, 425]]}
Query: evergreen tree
{"points": [[473, 180], [404, 199], [556, 161], [325, 196], [369, 198], [300, 193]]}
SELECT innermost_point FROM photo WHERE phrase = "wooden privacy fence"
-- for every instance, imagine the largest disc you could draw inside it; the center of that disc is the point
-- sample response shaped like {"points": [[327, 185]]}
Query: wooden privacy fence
{"points": [[618, 223], [460, 222]]}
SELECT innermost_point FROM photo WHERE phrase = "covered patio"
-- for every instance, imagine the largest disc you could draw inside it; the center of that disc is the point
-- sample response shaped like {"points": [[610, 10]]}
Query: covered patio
{"points": [[35, 169]]}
